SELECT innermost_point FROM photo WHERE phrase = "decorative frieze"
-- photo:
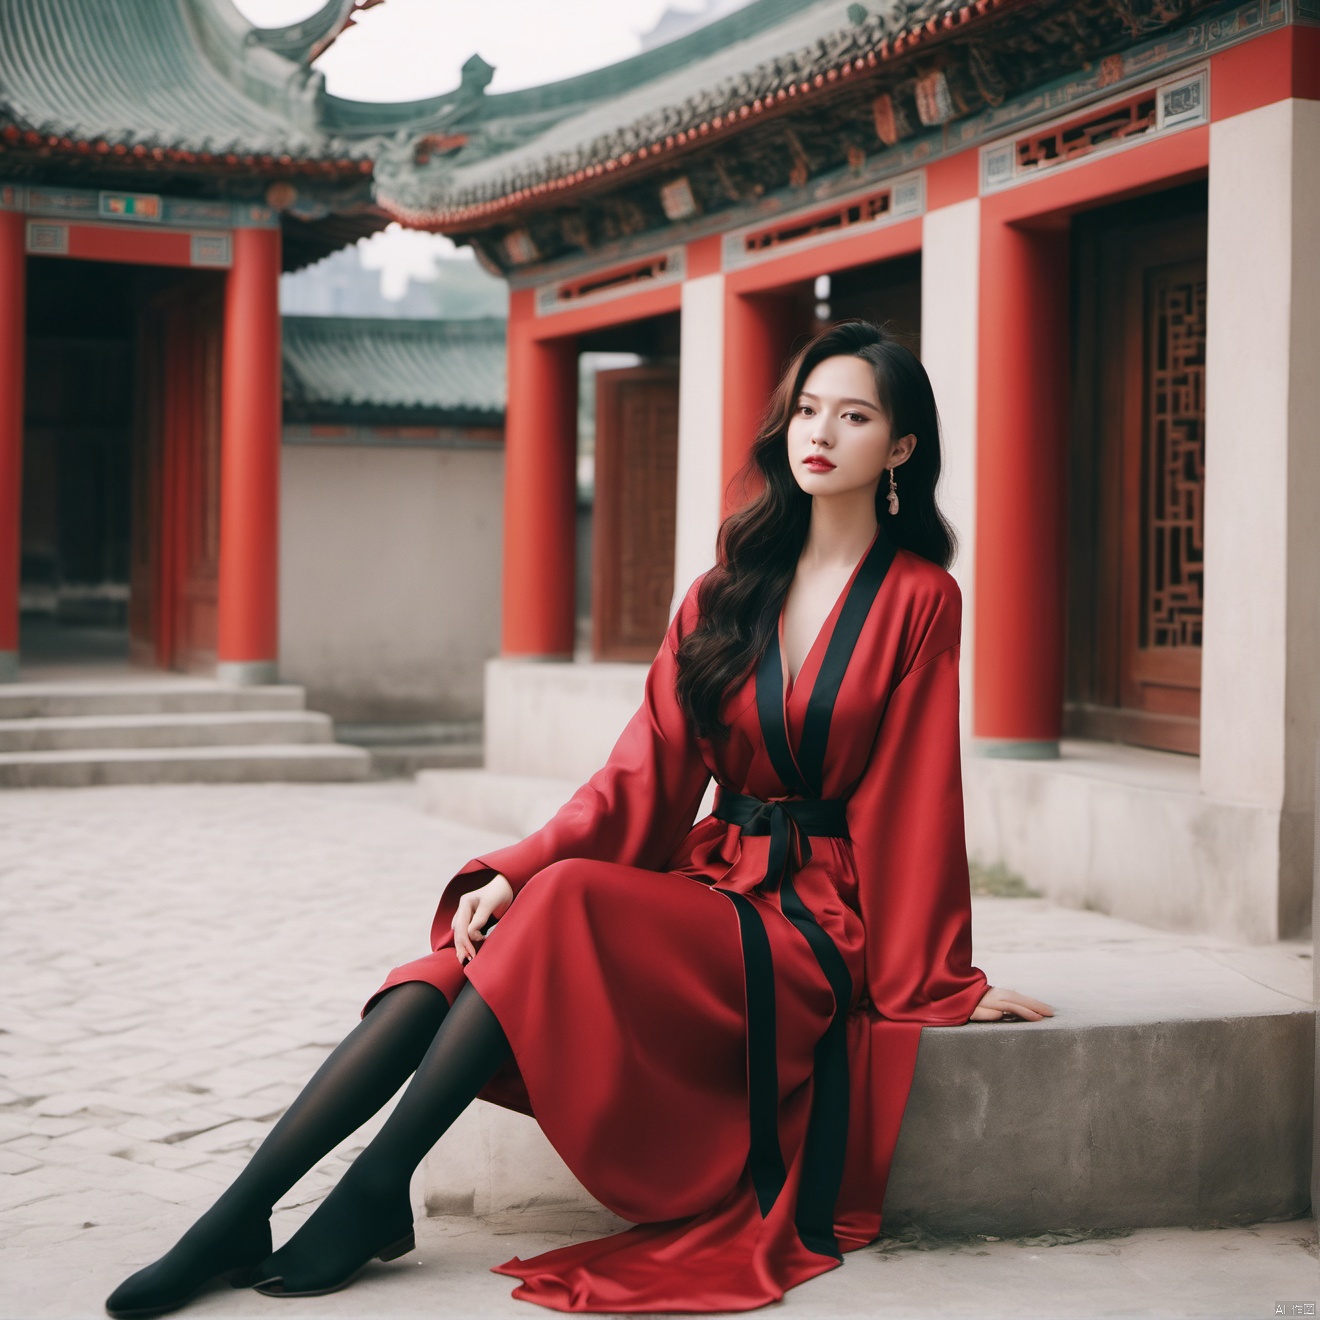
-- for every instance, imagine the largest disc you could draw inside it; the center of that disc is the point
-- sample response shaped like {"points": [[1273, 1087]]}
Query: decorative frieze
{"points": [[661, 268], [137, 209], [1137, 117]]}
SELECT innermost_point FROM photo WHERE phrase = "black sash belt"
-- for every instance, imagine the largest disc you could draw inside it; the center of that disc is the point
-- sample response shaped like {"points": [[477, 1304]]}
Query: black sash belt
{"points": [[788, 821], [827, 1131]]}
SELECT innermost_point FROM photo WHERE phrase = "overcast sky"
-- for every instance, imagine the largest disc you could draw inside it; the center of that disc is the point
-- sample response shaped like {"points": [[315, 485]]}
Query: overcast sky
{"points": [[405, 49]]}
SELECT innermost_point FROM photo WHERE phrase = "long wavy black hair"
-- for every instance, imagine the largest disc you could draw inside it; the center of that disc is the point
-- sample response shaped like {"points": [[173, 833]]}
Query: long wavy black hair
{"points": [[759, 544]]}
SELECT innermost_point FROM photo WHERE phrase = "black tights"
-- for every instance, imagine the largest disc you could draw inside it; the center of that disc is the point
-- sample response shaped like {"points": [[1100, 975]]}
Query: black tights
{"points": [[453, 1051]]}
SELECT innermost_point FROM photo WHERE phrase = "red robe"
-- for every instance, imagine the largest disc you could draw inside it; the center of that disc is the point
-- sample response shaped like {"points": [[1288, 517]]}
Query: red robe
{"points": [[669, 989]]}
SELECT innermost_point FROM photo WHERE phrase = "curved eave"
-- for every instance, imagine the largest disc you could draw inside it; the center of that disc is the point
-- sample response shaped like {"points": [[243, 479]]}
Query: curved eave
{"points": [[662, 150], [15, 139]]}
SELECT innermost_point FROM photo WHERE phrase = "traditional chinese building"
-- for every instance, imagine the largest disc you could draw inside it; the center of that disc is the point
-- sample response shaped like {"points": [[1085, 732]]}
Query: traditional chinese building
{"points": [[161, 164], [158, 171], [1098, 222]]}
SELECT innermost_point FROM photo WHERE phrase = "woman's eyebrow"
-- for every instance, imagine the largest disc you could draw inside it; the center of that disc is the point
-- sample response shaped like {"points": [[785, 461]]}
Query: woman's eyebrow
{"points": [[866, 403]]}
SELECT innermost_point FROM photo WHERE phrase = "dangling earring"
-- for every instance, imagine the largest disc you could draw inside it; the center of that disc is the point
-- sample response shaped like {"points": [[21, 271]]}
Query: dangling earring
{"points": [[893, 494]]}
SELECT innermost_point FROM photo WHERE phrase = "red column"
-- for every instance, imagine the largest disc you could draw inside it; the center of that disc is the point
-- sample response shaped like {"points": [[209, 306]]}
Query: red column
{"points": [[759, 330], [1021, 489], [540, 490], [247, 625], [13, 304]]}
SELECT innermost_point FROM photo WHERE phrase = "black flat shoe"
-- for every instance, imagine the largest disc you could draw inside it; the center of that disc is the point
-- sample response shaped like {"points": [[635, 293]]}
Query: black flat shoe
{"points": [[276, 1286], [188, 1268]]}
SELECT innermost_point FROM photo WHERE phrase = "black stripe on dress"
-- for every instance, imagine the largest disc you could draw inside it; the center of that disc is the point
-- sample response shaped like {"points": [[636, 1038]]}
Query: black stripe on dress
{"points": [[765, 1158], [825, 690], [827, 1129]]}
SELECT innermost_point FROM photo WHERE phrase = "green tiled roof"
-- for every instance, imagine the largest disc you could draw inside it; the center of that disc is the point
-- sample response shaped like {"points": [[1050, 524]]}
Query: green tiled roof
{"points": [[356, 363], [175, 74], [541, 134]]}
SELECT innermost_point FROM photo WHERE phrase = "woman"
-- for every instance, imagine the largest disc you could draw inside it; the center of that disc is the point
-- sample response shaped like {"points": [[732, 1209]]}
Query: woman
{"points": [[716, 1023]]}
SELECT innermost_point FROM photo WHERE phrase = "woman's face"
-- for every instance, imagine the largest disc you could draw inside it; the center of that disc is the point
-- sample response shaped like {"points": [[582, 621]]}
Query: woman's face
{"points": [[838, 421]]}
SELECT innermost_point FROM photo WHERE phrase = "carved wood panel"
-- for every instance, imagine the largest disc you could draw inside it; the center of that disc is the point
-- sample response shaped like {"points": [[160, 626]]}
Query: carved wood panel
{"points": [[1138, 481], [636, 493]]}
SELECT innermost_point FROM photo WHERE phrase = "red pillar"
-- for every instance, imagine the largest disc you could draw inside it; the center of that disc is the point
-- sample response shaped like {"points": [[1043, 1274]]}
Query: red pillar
{"points": [[13, 304], [540, 490], [759, 330], [247, 625], [1021, 489]]}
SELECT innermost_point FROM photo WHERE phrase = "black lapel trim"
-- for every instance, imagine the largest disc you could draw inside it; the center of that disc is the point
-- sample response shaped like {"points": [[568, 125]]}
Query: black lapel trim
{"points": [[825, 691], [770, 711], [765, 1158], [827, 1128]]}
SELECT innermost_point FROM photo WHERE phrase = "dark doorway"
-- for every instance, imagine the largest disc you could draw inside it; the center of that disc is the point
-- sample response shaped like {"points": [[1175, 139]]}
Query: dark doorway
{"points": [[120, 464], [888, 293], [1136, 574], [77, 460]]}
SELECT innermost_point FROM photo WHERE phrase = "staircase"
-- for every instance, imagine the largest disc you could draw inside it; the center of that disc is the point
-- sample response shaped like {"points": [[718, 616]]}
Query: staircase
{"points": [[165, 729]]}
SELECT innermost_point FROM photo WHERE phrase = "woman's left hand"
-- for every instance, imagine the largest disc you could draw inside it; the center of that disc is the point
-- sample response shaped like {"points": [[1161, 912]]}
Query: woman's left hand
{"points": [[1000, 1005]]}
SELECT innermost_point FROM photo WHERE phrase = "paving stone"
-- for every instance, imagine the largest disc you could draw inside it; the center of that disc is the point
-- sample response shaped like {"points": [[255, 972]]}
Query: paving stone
{"points": [[182, 957]]}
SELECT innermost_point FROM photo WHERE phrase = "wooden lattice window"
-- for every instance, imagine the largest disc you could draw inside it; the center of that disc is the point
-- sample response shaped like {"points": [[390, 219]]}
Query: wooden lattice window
{"points": [[1173, 575], [1137, 480], [642, 272], [861, 211]]}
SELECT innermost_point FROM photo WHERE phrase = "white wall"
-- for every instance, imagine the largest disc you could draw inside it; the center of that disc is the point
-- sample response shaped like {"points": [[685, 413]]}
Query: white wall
{"points": [[1260, 671], [390, 578], [700, 430], [950, 266]]}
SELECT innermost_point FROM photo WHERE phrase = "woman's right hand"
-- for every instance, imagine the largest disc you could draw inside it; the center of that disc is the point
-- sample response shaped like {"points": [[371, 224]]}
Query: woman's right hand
{"points": [[475, 909]]}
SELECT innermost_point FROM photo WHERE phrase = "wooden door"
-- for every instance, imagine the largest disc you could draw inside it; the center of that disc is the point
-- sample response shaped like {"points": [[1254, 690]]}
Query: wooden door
{"points": [[1143, 477], [636, 493], [176, 531]]}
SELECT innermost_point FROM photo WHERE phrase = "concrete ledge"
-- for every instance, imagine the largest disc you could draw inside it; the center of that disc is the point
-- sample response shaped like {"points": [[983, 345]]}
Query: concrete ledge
{"points": [[557, 718], [1173, 1086], [507, 804], [1127, 831]]}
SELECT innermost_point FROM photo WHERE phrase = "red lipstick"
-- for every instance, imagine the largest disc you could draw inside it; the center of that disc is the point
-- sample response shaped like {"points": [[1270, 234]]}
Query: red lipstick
{"points": [[818, 464]]}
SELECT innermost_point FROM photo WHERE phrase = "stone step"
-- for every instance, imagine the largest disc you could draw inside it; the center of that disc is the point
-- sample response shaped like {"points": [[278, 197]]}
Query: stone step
{"points": [[406, 760], [176, 729], [1173, 1086], [174, 765], [401, 750], [152, 696]]}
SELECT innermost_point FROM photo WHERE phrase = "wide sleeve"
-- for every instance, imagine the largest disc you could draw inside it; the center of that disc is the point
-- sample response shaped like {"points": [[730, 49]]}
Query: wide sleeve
{"points": [[905, 817], [634, 810]]}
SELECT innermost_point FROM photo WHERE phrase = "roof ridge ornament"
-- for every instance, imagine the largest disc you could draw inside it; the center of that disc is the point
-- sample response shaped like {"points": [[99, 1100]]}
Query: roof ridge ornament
{"points": [[475, 76]]}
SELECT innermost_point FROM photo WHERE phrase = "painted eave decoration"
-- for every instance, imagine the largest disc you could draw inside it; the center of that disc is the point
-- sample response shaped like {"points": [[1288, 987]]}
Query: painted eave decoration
{"points": [[769, 97]]}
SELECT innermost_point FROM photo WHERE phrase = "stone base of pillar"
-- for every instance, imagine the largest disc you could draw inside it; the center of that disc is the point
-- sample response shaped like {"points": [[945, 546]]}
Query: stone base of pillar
{"points": [[1017, 749], [246, 673], [8, 666]]}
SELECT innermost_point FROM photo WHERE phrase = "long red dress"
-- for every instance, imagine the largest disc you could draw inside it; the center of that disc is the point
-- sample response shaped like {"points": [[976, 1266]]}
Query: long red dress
{"points": [[716, 1024]]}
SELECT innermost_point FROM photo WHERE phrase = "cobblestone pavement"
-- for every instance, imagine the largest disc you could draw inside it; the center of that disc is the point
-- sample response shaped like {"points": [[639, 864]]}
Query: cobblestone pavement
{"points": [[178, 959]]}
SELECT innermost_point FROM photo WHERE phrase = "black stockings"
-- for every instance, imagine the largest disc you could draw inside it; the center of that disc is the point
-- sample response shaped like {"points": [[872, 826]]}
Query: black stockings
{"points": [[454, 1052], [363, 1072], [370, 1209]]}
